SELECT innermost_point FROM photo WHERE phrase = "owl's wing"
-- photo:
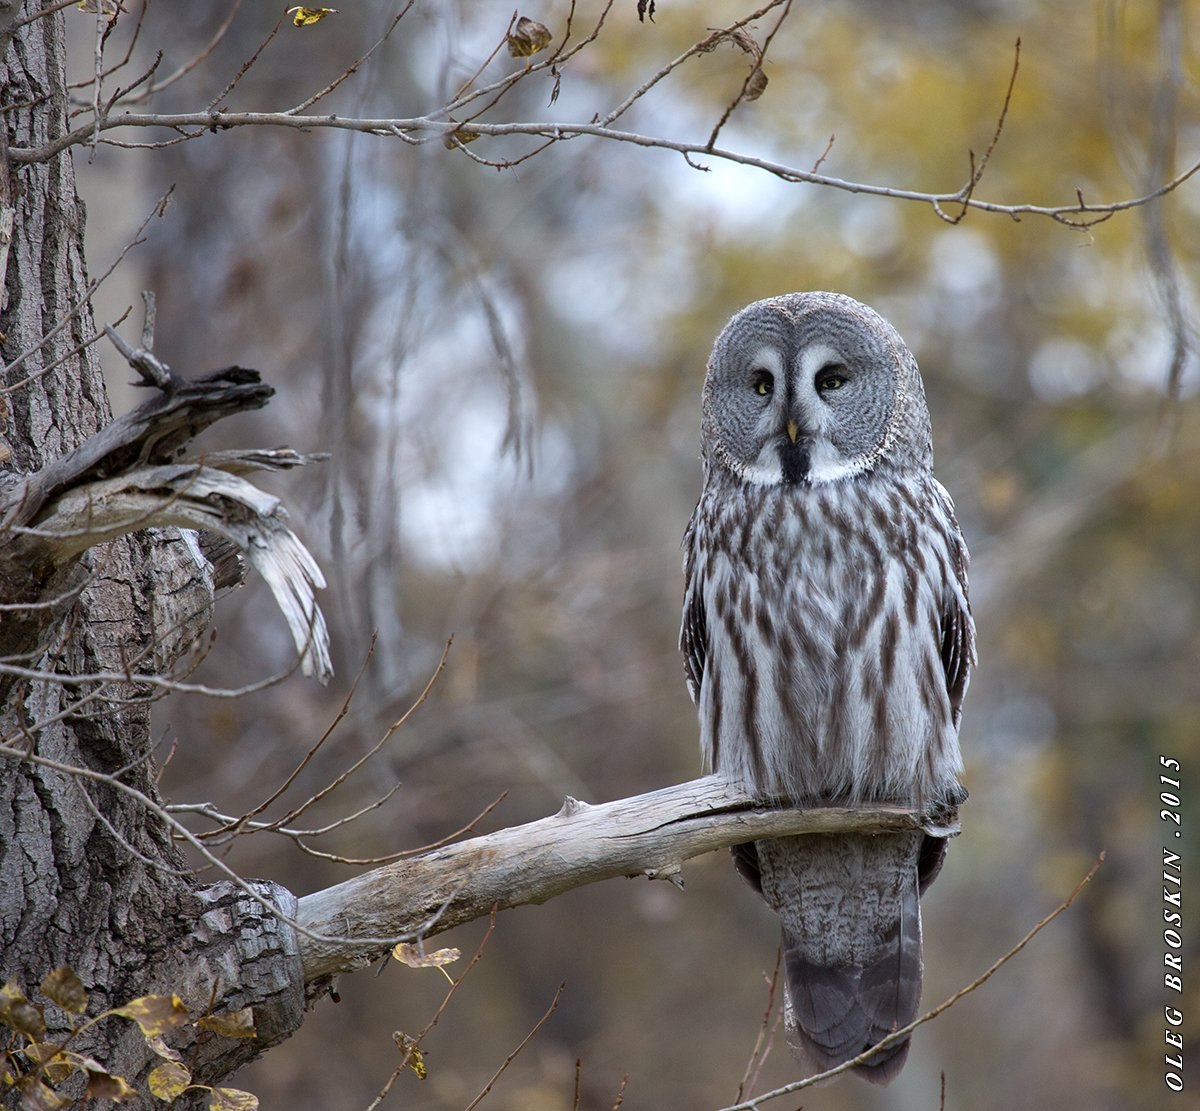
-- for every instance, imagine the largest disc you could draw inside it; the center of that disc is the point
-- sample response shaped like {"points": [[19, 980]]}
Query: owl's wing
{"points": [[693, 633], [957, 626]]}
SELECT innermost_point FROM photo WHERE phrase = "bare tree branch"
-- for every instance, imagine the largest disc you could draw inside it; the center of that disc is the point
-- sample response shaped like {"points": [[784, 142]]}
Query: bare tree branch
{"points": [[1078, 214], [189, 495], [439, 124], [648, 835], [127, 478]]}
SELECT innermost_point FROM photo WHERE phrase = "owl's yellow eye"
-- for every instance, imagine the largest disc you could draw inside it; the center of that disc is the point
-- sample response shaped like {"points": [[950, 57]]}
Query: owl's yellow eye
{"points": [[762, 382], [830, 379]]}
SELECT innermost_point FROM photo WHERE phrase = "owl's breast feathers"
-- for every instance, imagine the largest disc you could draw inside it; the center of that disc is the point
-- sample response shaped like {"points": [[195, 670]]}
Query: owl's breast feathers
{"points": [[827, 636]]}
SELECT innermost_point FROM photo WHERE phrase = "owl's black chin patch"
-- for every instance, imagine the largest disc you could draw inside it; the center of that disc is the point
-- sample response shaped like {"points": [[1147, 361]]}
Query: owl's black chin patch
{"points": [[795, 460]]}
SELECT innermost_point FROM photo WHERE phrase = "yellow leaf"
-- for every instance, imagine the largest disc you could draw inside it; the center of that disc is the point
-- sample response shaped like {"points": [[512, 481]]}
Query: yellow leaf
{"points": [[527, 38], [155, 1014], [169, 1080], [412, 1051], [65, 988], [231, 1024], [104, 1085], [415, 957], [232, 1099], [306, 17]]}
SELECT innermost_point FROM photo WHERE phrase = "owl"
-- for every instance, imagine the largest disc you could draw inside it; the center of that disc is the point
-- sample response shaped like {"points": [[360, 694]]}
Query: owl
{"points": [[828, 641]]}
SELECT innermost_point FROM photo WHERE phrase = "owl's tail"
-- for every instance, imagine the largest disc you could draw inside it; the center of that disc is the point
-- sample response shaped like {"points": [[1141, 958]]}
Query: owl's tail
{"points": [[851, 915], [834, 1014]]}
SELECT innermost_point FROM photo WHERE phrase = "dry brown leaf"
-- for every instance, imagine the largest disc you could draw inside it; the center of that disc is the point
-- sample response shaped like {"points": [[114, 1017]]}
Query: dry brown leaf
{"points": [[63, 986], [169, 1080], [528, 37], [757, 84], [459, 138]]}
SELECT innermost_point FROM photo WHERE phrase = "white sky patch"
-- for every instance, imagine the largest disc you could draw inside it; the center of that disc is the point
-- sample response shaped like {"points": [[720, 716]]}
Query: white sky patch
{"points": [[872, 230], [1142, 355], [741, 198], [587, 287], [964, 265], [459, 486], [1063, 368]]}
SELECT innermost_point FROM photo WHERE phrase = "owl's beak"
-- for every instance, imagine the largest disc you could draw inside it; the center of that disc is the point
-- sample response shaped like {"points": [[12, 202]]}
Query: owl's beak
{"points": [[795, 456]]}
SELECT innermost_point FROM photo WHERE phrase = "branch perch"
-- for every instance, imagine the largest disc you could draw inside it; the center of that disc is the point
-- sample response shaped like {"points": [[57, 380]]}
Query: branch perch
{"points": [[353, 923]]}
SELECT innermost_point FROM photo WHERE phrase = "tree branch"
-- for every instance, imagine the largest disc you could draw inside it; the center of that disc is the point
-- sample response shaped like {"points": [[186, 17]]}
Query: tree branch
{"points": [[650, 835], [190, 495], [128, 477], [433, 127]]}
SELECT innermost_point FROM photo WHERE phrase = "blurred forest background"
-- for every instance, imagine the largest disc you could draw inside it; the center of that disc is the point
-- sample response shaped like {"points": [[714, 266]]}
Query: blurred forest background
{"points": [[505, 367]]}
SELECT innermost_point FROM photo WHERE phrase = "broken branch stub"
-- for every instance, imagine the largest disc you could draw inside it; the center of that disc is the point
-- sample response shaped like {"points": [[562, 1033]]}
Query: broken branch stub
{"points": [[131, 476]]}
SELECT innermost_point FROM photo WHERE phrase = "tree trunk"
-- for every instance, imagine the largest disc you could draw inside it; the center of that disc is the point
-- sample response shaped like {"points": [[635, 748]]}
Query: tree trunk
{"points": [[87, 878]]}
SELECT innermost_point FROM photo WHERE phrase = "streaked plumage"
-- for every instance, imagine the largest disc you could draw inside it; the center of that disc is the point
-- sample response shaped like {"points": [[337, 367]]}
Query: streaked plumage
{"points": [[828, 642]]}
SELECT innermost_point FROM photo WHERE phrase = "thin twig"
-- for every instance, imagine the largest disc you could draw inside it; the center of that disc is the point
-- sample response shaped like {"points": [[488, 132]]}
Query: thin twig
{"points": [[415, 1044], [766, 1033], [199, 57], [245, 66], [387, 736], [977, 169], [351, 69], [701, 47], [42, 12], [160, 682], [234, 824], [824, 154], [466, 85], [128, 57], [98, 70], [756, 68], [524, 1042], [65, 320], [468, 828], [552, 63]]}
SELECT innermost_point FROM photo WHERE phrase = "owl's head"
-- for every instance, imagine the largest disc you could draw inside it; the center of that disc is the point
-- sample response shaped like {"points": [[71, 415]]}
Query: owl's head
{"points": [[815, 388]]}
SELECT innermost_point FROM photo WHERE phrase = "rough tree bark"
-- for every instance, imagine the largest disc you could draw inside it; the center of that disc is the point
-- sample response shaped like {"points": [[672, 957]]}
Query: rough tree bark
{"points": [[86, 879]]}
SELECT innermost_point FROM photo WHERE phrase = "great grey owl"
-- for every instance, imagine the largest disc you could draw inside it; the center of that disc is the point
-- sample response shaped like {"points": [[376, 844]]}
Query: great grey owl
{"points": [[828, 641]]}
